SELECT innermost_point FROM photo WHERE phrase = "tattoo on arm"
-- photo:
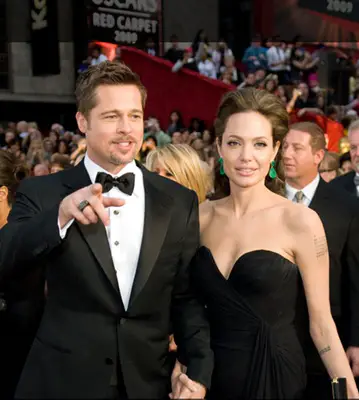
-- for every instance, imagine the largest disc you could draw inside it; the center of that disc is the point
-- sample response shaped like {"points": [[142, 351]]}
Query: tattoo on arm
{"points": [[325, 350], [321, 247]]}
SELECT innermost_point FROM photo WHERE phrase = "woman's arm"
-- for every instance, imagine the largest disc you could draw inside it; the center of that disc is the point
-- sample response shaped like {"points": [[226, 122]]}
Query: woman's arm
{"points": [[311, 253]]}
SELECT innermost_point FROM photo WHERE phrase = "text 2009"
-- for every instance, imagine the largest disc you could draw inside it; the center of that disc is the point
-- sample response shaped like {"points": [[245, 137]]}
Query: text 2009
{"points": [[345, 7]]}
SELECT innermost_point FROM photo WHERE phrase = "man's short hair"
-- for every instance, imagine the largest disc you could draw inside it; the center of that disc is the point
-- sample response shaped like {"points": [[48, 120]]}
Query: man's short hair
{"points": [[317, 138], [105, 73], [354, 126]]}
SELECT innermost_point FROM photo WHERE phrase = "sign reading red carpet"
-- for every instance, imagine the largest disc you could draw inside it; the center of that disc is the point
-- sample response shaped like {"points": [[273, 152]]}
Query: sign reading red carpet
{"points": [[126, 22]]}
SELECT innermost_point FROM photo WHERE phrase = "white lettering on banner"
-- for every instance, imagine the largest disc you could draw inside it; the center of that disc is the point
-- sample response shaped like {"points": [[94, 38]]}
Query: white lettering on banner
{"points": [[137, 24], [103, 20], [129, 18], [39, 15], [126, 37], [340, 6], [148, 6]]}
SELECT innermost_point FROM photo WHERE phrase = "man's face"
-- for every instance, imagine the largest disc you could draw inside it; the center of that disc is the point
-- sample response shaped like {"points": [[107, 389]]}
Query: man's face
{"points": [[177, 138], [153, 125], [300, 161], [251, 79], [354, 148], [15, 148], [114, 127]]}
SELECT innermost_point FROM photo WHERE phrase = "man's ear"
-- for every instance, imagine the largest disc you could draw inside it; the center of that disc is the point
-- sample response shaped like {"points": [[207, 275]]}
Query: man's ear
{"points": [[81, 122], [318, 156], [4, 193]]}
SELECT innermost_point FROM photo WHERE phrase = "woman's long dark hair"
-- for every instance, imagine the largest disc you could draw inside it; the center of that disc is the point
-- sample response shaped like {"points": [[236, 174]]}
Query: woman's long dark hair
{"points": [[266, 104], [12, 171]]}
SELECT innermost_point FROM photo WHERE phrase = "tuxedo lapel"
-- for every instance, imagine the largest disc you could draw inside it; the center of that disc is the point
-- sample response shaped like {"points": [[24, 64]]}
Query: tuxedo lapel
{"points": [[320, 196], [96, 238], [94, 234], [157, 216]]}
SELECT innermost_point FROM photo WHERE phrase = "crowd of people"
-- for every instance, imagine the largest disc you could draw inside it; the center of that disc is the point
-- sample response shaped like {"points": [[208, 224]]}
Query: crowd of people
{"points": [[243, 170]]}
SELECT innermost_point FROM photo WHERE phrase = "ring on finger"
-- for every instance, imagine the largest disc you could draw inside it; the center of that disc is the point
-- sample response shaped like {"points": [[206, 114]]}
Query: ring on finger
{"points": [[83, 205]]}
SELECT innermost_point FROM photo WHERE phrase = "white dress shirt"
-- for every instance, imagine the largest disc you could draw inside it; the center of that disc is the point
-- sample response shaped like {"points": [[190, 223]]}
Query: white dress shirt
{"points": [[207, 68], [276, 55], [308, 191], [125, 230], [357, 187]]}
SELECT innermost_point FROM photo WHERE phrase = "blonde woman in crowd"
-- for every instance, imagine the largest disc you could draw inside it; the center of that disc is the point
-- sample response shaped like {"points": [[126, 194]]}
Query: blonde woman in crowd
{"points": [[182, 164], [329, 167]]}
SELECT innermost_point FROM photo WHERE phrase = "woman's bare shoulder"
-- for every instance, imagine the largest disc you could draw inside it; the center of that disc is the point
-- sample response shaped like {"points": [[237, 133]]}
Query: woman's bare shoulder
{"points": [[300, 219]]}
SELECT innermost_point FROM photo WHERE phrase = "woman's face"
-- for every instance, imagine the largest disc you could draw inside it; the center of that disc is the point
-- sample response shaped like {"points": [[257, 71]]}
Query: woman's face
{"points": [[270, 85], [185, 136], [198, 144], [206, 136], [9, 136], [159, 169], [320, 101], [195, 125], [347, 167], [62, 148], [174, 117], [53, 136], [247, 148], [281, 92], [229, 62], [48, 146], [260, 74], [36, 145], [328, 175]]}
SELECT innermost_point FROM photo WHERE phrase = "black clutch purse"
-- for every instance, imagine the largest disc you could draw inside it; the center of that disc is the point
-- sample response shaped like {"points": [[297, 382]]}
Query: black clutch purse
{"points": [[339, 388]]}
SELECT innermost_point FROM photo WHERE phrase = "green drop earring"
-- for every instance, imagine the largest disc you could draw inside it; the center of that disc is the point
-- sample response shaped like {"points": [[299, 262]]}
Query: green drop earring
{"points": [[221, 169], [272, 171]]}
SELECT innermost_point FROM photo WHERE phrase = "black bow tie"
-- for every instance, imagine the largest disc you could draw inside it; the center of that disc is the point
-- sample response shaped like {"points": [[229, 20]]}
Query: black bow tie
{"points": [[125, 183]]}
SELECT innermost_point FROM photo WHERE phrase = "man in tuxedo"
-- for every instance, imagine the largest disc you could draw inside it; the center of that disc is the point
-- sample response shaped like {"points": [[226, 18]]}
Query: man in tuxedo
{"points": [[116, 241], [303, 151], [350, 181]]}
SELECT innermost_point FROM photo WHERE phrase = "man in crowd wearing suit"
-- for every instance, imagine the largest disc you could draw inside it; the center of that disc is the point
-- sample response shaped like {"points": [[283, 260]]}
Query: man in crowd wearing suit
{"points": [[303, 150], [350, 181], [116, 241]]}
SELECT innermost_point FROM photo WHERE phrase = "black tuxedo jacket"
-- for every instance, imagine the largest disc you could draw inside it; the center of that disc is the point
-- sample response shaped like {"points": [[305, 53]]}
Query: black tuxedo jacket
{"points": [[85, 328], [345, 182], [339, 213]]}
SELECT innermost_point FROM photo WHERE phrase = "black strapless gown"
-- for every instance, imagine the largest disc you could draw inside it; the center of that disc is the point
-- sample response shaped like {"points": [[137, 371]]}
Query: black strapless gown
{"points": [[252, 317]]}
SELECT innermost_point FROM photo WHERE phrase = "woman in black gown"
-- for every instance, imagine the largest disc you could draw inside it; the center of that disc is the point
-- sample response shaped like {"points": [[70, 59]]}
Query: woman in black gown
{"points": [[257, 250]]}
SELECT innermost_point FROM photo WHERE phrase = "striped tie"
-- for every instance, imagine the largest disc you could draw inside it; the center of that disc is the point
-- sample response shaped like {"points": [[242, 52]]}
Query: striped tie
{"points": [[299, 197]]}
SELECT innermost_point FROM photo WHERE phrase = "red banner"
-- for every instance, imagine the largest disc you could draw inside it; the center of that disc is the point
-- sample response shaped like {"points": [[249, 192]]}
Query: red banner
{"points": [[194, 95]]}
